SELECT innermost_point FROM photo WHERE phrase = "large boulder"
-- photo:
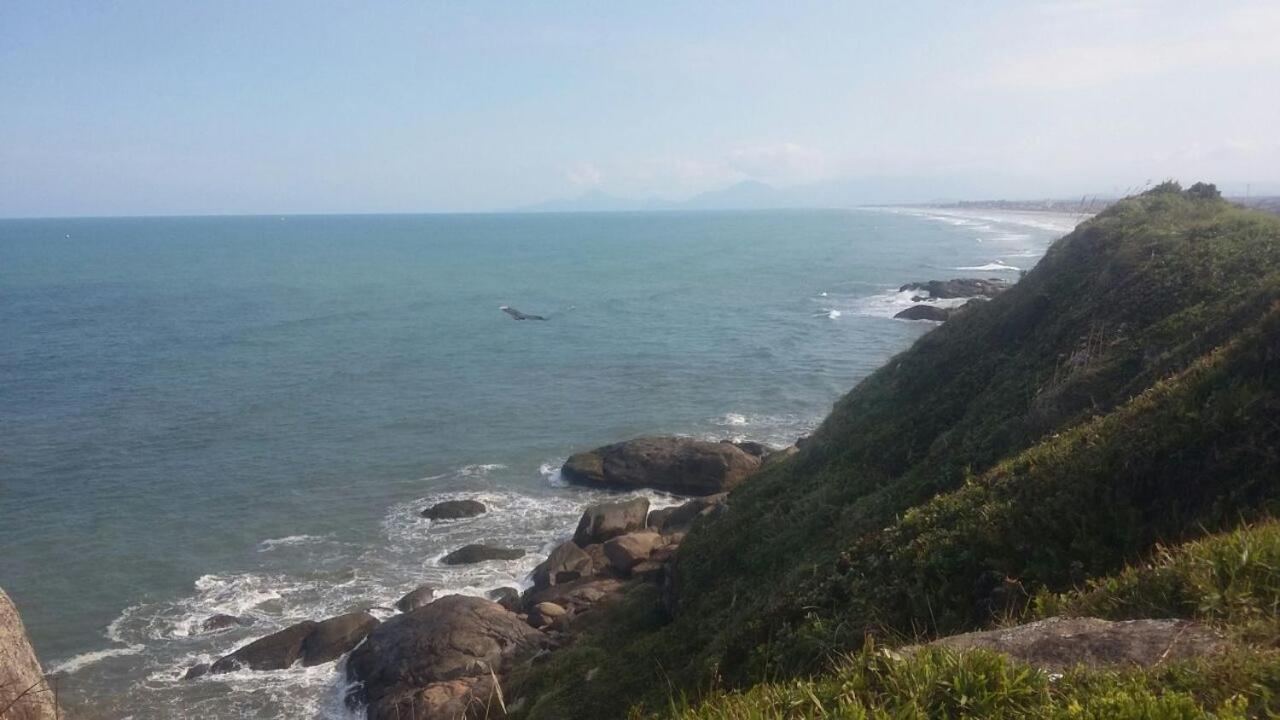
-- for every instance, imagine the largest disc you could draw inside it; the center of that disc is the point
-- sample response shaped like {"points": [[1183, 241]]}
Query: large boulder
{"points": [[679, 465], [1058, 642], [24, 693], [609, 520], [454, 510], [436, 661], [925, 312], [958, 288], [576, 596], [469, 554], [416, 598], [276, 651], [626, 551], [333, 638], [566, 563], [681, 517]]}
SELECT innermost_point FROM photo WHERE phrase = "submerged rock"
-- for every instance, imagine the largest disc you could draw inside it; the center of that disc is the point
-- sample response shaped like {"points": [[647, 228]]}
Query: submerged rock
{"points": [[454, 510], [416, 598], [925, 312], [680, 465], [221, 621], [469, 554], [609, 520]]}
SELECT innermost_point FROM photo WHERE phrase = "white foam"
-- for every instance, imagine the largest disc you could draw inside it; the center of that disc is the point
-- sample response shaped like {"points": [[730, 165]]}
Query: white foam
{"points": [[84, 660], [996, 266], [288, 541]]}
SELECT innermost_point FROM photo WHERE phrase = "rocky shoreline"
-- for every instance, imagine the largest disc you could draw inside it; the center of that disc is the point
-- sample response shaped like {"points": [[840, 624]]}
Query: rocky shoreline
{"points": [[974, 290]]}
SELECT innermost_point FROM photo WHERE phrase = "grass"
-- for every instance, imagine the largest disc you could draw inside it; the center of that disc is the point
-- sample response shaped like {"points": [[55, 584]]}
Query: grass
{"points": [[1121, 397]]}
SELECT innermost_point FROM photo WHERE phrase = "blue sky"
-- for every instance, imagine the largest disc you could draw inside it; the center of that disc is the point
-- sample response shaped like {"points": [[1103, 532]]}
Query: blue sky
{"points": [[110, 108]]}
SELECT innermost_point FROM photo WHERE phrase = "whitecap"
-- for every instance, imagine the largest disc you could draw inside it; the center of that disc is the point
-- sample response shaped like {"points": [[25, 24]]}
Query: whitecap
{"points": [[996, 266], [288, 541], [83, 660]]}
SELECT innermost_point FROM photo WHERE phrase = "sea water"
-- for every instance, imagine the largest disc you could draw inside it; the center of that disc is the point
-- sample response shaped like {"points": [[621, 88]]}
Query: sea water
{"points": [[245, 415]]}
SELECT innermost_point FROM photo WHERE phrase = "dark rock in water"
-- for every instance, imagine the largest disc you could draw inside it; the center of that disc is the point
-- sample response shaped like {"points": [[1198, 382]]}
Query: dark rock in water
{"points": [[335, 637], [416, 598], [276, 651], [681, 517], [1057, 643], [469, 554], [566, 563], [752, 447], [608, 520], [216, 623], [959, 288], [507, 597], [433, 662], [925, 312], [196, 671], [680, 465], [454, 510]]}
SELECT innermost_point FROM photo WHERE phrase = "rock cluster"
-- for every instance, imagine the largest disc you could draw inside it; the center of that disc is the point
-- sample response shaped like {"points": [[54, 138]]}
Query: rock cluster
{"points": [[679, 465]]}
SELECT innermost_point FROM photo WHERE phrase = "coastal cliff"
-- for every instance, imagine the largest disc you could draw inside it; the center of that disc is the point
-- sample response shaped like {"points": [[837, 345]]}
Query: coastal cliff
{"points": [[24, 692], [1097, 440]]}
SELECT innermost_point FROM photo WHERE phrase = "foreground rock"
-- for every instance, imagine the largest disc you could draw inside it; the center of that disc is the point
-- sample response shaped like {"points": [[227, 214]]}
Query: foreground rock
{"points": [[925, 312], [470, 554], [679, 465], [609, 520], [1058, 643], [438, 661], [958, 288], [24, 694], [626, 551], [311, 642], [454, 510]]}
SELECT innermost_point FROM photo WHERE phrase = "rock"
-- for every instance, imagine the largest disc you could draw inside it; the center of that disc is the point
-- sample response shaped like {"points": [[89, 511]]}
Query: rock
{"points": [[959, 288], [220, 622], [434, 661], [469, 554], [626, 551], [681, 517], [198, 670], [416, 598], [1058, 642], [565, 564], [776, 457], [925, 312], [454, 510], [578, 595], [276, 651], [544, 614], [335, 637], [507, 597], [752, 447], [658, 517], [599, 563], [468, 697], [24, 693], [648, 571], [680, 465], [608, 520]]}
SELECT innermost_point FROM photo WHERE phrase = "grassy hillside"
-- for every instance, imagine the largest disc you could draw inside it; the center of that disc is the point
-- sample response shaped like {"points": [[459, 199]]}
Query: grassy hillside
{"points": [[1124, 394]]}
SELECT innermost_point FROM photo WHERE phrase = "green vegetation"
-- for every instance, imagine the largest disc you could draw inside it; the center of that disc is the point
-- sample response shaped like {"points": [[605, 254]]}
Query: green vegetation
{"points": [[1121, 399]]}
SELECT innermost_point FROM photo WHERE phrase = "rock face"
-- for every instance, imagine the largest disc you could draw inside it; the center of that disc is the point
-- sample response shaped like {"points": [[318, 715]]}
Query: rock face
{"points": [[24, 695], [565, 564], [335, 637], [609, 520], [626, 551], [959, 288], [276, 651], [416, 598], [679, 465], [468, 554], [925, 312], [681, 517], [1058, 643], [454, 510], [435, 662]]}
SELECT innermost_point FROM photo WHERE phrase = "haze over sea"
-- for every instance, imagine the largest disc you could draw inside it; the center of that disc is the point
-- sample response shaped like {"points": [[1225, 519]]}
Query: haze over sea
{"points": [[245, 414]]}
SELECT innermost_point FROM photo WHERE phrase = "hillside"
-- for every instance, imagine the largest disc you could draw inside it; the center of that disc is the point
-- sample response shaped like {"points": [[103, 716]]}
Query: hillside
{"points": [[1119, 401]]}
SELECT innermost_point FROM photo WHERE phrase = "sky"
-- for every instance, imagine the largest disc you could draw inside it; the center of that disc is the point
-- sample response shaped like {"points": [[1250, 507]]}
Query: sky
{"points": [[141, 108]]}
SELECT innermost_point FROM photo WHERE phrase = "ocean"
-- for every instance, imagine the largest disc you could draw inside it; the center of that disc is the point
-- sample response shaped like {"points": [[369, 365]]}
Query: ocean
{"points": [[245, 414]]}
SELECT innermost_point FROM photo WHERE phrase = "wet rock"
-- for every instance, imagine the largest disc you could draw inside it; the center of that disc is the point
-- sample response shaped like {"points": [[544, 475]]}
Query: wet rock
{"points": [[680, 465], [454, 510], [276, 651], [507, 597], [416, 598], [469, 554], [925, 312], [335, 637], [198, 670], [565, 564], [608, 520], [220, 622]]}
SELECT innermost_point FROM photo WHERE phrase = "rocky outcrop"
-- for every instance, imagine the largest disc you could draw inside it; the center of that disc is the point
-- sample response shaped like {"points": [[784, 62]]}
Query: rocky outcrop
{"points": [[565, 564], [609, 520], [438, 661], [679, 465], [578, 595], [309, 641], [222, 621], [681, 517], [958, 288], [925, 312], [626, 551], [1058, 642], [416, 598], [454, 510], [24, 694], [470, 554]]}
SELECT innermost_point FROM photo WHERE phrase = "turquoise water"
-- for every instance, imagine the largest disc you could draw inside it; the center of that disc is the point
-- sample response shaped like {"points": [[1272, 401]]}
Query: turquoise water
{"points": [[242, 415]]}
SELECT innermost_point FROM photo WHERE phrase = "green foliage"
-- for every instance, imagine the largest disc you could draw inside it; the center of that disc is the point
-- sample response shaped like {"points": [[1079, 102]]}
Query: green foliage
{"points": [[1122, 395]]}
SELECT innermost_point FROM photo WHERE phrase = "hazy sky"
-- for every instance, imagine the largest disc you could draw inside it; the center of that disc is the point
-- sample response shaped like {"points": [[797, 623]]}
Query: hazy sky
{"points": [[246, 107]]}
